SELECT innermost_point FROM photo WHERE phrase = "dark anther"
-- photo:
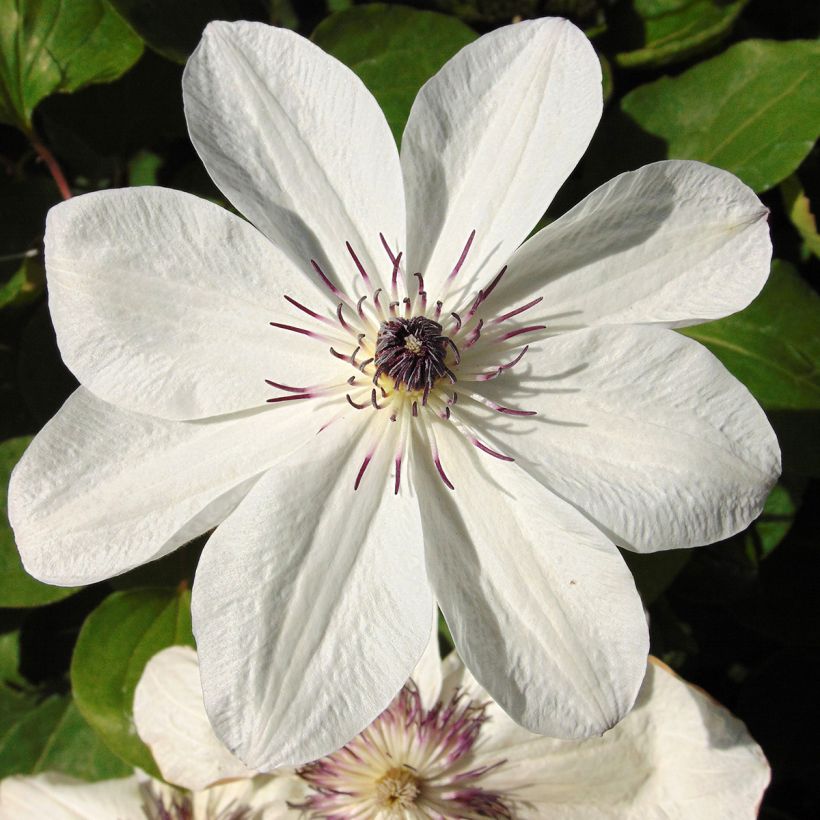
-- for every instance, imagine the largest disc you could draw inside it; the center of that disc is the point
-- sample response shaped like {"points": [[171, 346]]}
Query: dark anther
{"points": [[413, 353]]}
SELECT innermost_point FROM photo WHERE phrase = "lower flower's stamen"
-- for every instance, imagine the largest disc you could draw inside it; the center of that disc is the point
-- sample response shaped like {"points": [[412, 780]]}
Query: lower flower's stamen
{"points": [[420, 283], [358, 264], [392, 306], [442, 474], [423, 300], [365, 363], [373, 401], [478, 300], [351, 381], [458, 322], [482, 446], [312, 313], [493, 374], [408, 307], [439, 306], [517, 311], [519, 331], [397, 462], [415, 410]]}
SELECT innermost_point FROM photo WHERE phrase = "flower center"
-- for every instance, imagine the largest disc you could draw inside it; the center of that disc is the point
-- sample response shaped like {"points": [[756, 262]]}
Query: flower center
{"points": [[412, 352], [410, 762], [398, 788]]}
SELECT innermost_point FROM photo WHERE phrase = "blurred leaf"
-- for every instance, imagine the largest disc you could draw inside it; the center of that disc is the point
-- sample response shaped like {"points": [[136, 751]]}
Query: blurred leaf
{"points": [[654, 572], [26, 284], [143, 168], [16, 698], [17, 587], [772, 346], [53, 736], [671, 30], [394, 50], [798, 208], [754, 110], [115, 643], [51, 45], [173, 28], [774, 522]]}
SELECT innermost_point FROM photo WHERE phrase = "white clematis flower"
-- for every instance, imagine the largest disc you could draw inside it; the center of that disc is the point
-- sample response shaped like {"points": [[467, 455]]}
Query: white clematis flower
{"points": [[209, 782], [444, 748], [378, 395]]}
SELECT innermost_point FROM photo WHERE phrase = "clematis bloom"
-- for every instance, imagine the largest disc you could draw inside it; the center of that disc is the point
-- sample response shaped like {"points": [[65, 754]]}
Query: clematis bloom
{"points": [[444, 748], [376, 393]]}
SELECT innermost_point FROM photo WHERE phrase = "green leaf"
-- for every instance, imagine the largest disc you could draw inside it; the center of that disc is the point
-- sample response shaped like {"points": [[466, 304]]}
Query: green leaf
{"points": [[754, 110], [143, 168], [799, 209], [17, 587], [670, 30], [48, 46], [115, 643], [772, 346], [394, 50], [54, 736], [774, 522], [26, 283], [173, 28]]}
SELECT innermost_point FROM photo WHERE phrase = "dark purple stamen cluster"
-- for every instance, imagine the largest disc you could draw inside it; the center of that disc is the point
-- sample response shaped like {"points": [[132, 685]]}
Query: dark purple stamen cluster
{"points": [[413, 353]]}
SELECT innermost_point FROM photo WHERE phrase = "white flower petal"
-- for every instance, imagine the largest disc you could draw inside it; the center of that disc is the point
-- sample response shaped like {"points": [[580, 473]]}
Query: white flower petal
{"points": [[677, 755], [490, 140], [170, 717], [297, 143], [266, 797], [540, 604], [310, 603], [427, 674], [643, 430], [674, 242], [162, 304], [53, 796], [100, 490]]}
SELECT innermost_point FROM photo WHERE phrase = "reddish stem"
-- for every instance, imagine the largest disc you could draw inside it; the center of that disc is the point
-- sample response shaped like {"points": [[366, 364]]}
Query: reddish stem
{"points": [[53, 166]]}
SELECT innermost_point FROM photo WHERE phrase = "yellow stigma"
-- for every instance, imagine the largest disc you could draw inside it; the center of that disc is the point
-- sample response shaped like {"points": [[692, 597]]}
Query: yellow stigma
{"points": [[412, 344], [397, 789]]}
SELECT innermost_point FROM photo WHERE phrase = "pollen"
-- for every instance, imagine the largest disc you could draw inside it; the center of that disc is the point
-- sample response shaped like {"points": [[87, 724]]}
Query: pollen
{"points": [[398, 788]]}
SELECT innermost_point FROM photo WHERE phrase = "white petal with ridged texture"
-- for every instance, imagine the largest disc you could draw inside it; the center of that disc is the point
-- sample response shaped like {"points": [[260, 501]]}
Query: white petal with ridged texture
{"points": [[100, 491], [170, 718], [540, 604], [643, 430], [297, 143], [490, 140], [265, 798], [427, 674], [54, 796], [162, 304], [674, 242], [310, 603], [677, 755]]}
